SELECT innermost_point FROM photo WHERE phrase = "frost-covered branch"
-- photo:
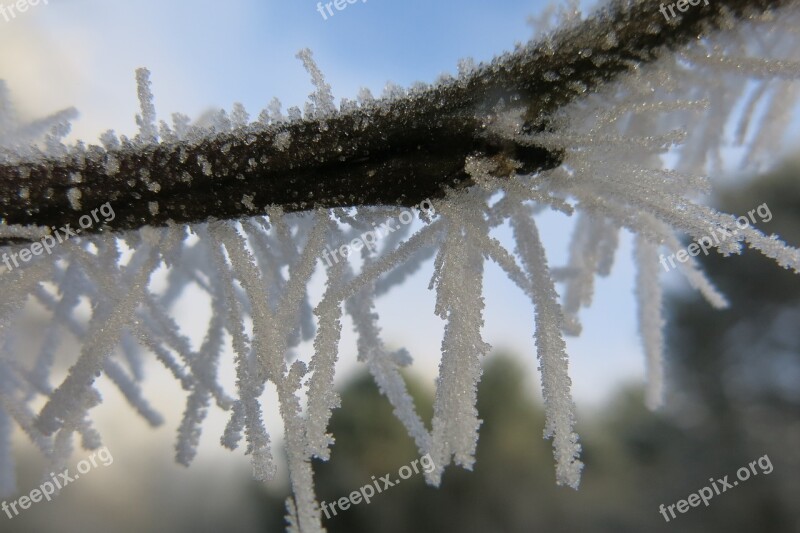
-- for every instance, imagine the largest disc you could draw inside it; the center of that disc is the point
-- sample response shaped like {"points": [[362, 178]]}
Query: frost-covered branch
{"points": [[630, 155], [395, 151]]}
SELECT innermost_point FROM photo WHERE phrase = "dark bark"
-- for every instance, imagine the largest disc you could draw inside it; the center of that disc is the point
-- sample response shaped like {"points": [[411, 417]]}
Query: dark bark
{"points": [[391, 153]]}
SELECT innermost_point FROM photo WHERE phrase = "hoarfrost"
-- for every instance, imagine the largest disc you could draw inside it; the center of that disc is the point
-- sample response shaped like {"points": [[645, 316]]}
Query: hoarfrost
{"points": [[256, 271]]}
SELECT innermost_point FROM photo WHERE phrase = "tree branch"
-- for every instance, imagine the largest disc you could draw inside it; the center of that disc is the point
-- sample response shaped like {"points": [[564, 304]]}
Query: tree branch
{"points": [[395, 152]]}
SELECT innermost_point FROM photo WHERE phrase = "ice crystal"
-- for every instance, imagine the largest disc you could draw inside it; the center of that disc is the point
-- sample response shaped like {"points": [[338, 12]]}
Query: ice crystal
{"points": [[256, 271]]}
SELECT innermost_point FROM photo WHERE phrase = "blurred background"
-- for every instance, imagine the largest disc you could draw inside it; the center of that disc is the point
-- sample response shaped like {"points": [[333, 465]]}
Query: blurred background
{"points": [[734, 376]]}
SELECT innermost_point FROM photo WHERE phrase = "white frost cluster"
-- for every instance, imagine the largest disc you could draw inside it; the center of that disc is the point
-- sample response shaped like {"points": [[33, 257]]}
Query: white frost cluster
{"points": [[635, 154]]}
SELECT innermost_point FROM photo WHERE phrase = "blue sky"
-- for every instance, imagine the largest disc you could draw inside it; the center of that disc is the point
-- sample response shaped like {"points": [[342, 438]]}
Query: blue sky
{"points": [[206, 54]]}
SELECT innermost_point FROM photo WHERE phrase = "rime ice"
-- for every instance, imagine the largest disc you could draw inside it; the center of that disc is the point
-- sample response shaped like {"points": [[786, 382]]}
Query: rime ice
{"points": [[256, 271]]}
